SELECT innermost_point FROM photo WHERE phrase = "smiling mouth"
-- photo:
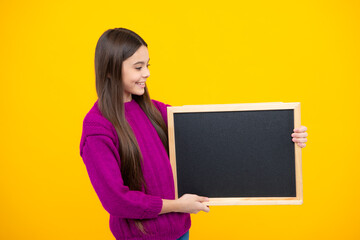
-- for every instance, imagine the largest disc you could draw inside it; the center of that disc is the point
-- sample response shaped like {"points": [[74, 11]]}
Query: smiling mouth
{"points": [[141, 84]]}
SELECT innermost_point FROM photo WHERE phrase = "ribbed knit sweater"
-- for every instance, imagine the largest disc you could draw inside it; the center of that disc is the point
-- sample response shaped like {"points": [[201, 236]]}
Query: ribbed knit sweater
{"points": [[99, 149]]}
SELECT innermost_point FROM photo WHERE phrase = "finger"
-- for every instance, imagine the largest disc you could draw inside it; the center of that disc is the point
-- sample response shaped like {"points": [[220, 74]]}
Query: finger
{"points": [[299, 140], [302, 145], [299, 135], [202, 199], [300, 129]]}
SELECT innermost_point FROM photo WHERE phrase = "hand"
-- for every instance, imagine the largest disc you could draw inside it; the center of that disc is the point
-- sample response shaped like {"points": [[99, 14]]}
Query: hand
{"points": [[191, 203], [299, 136]]}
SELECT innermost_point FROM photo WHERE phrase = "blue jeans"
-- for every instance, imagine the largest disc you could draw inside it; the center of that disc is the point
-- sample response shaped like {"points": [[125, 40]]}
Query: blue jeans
{"points": [[185, 236]]}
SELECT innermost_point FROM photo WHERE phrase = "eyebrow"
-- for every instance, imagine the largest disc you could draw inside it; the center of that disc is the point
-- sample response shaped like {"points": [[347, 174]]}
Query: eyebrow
{"points": [[140, 62]]}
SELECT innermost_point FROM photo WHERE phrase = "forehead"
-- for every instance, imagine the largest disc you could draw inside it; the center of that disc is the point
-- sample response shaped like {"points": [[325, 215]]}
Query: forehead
{"points": [[141, 55]]}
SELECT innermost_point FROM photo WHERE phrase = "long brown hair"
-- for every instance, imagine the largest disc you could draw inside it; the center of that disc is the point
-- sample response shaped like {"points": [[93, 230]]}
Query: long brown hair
{"points": [[113, 47]]}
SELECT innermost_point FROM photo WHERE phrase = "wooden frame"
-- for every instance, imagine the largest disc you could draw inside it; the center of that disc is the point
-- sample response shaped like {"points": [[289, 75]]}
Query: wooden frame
{"points": [[241, 107]]}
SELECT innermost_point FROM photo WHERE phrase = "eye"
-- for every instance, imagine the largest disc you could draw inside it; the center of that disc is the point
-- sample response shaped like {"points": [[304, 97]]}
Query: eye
{"points": [[139, 68]]}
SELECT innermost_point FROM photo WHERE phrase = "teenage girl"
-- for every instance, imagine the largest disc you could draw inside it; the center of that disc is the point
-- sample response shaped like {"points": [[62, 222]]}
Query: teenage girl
{"points": [[124, 146]]}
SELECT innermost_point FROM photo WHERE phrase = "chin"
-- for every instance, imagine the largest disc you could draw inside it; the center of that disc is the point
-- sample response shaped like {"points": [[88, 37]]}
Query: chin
{"points": [[139, 93]]}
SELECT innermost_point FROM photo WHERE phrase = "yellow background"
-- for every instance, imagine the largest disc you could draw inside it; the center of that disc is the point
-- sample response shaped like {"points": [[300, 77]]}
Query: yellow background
{"points": [[201, 52]]}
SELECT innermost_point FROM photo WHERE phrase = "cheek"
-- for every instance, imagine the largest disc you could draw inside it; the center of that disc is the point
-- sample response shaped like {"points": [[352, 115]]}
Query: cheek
{"points": [[133, 77], [128, 78]]}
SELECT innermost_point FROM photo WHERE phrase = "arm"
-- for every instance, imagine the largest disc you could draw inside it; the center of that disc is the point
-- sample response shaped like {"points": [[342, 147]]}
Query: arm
{"points": [[188, 203], [100, 157], [104, 172]]}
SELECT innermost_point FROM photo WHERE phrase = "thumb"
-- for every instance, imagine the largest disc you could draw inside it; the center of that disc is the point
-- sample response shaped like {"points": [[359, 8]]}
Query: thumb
{"points": [[206, 208]]}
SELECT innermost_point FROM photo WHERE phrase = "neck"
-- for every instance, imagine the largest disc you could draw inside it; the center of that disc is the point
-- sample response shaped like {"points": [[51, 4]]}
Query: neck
{"points": [[127, 98]]}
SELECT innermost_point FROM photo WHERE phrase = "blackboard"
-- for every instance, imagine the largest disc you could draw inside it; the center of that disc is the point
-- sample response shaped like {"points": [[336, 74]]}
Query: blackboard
{"points": [[236, 153]]}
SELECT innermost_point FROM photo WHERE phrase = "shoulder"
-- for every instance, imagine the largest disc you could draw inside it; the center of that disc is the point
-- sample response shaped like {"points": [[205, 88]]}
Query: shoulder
{"points": [[95, 119], [95, 124], [162, 107]]}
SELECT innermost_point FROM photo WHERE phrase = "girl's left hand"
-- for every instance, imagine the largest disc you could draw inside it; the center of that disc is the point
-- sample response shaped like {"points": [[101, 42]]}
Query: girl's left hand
{"points": [[299, 136]]}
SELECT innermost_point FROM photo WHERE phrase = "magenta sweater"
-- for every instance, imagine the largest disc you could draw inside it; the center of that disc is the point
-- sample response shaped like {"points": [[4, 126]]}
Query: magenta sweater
{"points": [[99, 149]]}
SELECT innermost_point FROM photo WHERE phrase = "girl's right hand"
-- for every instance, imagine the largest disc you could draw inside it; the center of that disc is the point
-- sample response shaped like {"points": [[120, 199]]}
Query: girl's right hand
{"points": [[191, 203]]}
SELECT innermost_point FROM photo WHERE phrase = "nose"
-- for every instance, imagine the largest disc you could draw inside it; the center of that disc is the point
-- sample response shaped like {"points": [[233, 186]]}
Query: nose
{"points": [[146, 73]]}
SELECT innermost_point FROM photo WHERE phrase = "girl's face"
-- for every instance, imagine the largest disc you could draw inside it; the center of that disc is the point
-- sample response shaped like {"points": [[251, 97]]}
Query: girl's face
{"points": [[135, 71]]}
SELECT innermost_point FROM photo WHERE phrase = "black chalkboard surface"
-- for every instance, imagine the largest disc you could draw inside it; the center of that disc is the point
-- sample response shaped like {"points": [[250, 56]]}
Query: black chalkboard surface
{"points": [[236, 153]]}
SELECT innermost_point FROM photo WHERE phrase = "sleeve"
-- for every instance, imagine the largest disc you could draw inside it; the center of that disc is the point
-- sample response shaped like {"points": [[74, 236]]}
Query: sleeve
{"points": [[162, 107], [99, 155]]}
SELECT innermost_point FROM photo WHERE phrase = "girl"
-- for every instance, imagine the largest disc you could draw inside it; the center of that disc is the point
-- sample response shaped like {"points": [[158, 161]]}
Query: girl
{"points": [[124, 146]]}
